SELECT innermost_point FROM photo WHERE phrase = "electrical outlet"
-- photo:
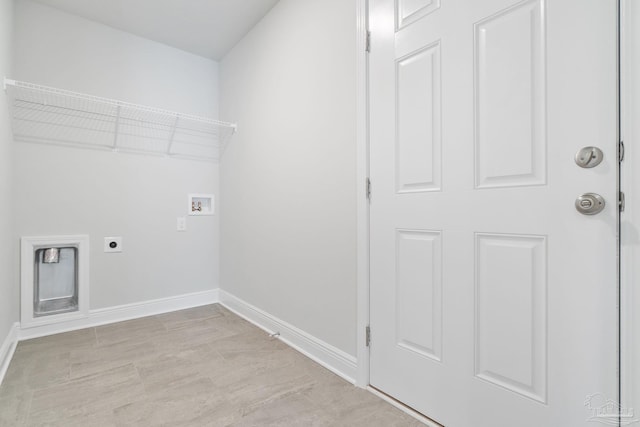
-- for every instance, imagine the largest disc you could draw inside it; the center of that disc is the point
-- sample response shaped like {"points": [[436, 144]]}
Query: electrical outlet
{"points": [[113, 244], [182, 223]]}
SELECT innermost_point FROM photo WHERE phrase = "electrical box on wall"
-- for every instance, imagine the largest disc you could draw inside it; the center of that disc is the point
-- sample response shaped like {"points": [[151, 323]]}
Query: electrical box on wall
{"points": [[201, 204], [113, 244]]}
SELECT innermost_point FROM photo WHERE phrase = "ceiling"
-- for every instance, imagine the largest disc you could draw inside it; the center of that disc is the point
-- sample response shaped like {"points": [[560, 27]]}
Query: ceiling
{"points": [[208, 28]]}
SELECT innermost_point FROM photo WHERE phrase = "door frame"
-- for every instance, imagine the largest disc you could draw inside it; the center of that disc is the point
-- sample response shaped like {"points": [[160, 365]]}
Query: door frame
{"points": [[629, 69], [362, 148], [629, 99]]}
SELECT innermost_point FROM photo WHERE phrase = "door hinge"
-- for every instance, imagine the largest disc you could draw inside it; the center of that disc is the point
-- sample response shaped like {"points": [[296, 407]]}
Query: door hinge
{"points": [[621, 201], [367, 333], [620, 151], [368, 189], [368, 42]]}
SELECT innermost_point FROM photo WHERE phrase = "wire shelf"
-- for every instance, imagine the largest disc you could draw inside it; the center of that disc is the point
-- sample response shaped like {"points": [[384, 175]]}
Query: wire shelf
{"points": [[54, 116]]}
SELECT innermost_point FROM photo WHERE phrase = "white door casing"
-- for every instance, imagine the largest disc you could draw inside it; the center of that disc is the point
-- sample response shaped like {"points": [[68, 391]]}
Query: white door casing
{"points": [[630, 218], [493, 301]]}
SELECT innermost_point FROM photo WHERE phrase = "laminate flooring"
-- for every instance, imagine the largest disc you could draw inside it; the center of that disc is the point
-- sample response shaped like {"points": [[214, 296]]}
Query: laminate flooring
{"points": [[199, 367]]}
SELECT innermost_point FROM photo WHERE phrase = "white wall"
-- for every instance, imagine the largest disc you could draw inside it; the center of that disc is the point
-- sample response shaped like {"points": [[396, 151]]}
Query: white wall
{"points": [[289, 175], [73, 191], [8, 292]]}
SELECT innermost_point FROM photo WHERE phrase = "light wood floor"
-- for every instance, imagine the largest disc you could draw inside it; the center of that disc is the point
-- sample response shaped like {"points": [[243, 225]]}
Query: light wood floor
{"points": [[199, 367]]}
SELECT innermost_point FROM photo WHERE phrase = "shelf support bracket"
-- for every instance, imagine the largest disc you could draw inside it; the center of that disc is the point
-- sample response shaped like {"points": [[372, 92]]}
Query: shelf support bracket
{"points": [[6, 82], [116, 129], [173, 134]]}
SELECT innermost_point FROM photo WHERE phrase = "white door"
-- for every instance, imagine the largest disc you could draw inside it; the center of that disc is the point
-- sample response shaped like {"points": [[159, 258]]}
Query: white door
{"points": [[493, 300]]}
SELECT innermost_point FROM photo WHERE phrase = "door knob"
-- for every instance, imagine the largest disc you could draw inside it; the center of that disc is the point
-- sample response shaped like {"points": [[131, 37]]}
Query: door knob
{"points": [[590, 204], [589, 157]]}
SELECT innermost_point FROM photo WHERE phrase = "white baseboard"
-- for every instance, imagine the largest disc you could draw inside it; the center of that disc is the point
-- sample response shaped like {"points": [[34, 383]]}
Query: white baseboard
{"points": [[121, 313], [334, 359], [7, 349]]}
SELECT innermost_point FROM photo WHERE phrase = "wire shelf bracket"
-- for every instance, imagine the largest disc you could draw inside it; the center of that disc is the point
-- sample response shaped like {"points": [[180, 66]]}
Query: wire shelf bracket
{"points": [[54, 116]]}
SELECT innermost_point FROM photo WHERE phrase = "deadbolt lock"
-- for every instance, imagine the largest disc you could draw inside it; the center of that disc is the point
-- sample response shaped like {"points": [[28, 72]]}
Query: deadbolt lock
{"points": [[589, 157], [590, 204]]}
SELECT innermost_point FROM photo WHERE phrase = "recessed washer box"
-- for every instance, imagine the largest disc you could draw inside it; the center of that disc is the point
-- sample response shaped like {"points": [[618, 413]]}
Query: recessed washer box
{"points": [[113, 244], [201, 204]]}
